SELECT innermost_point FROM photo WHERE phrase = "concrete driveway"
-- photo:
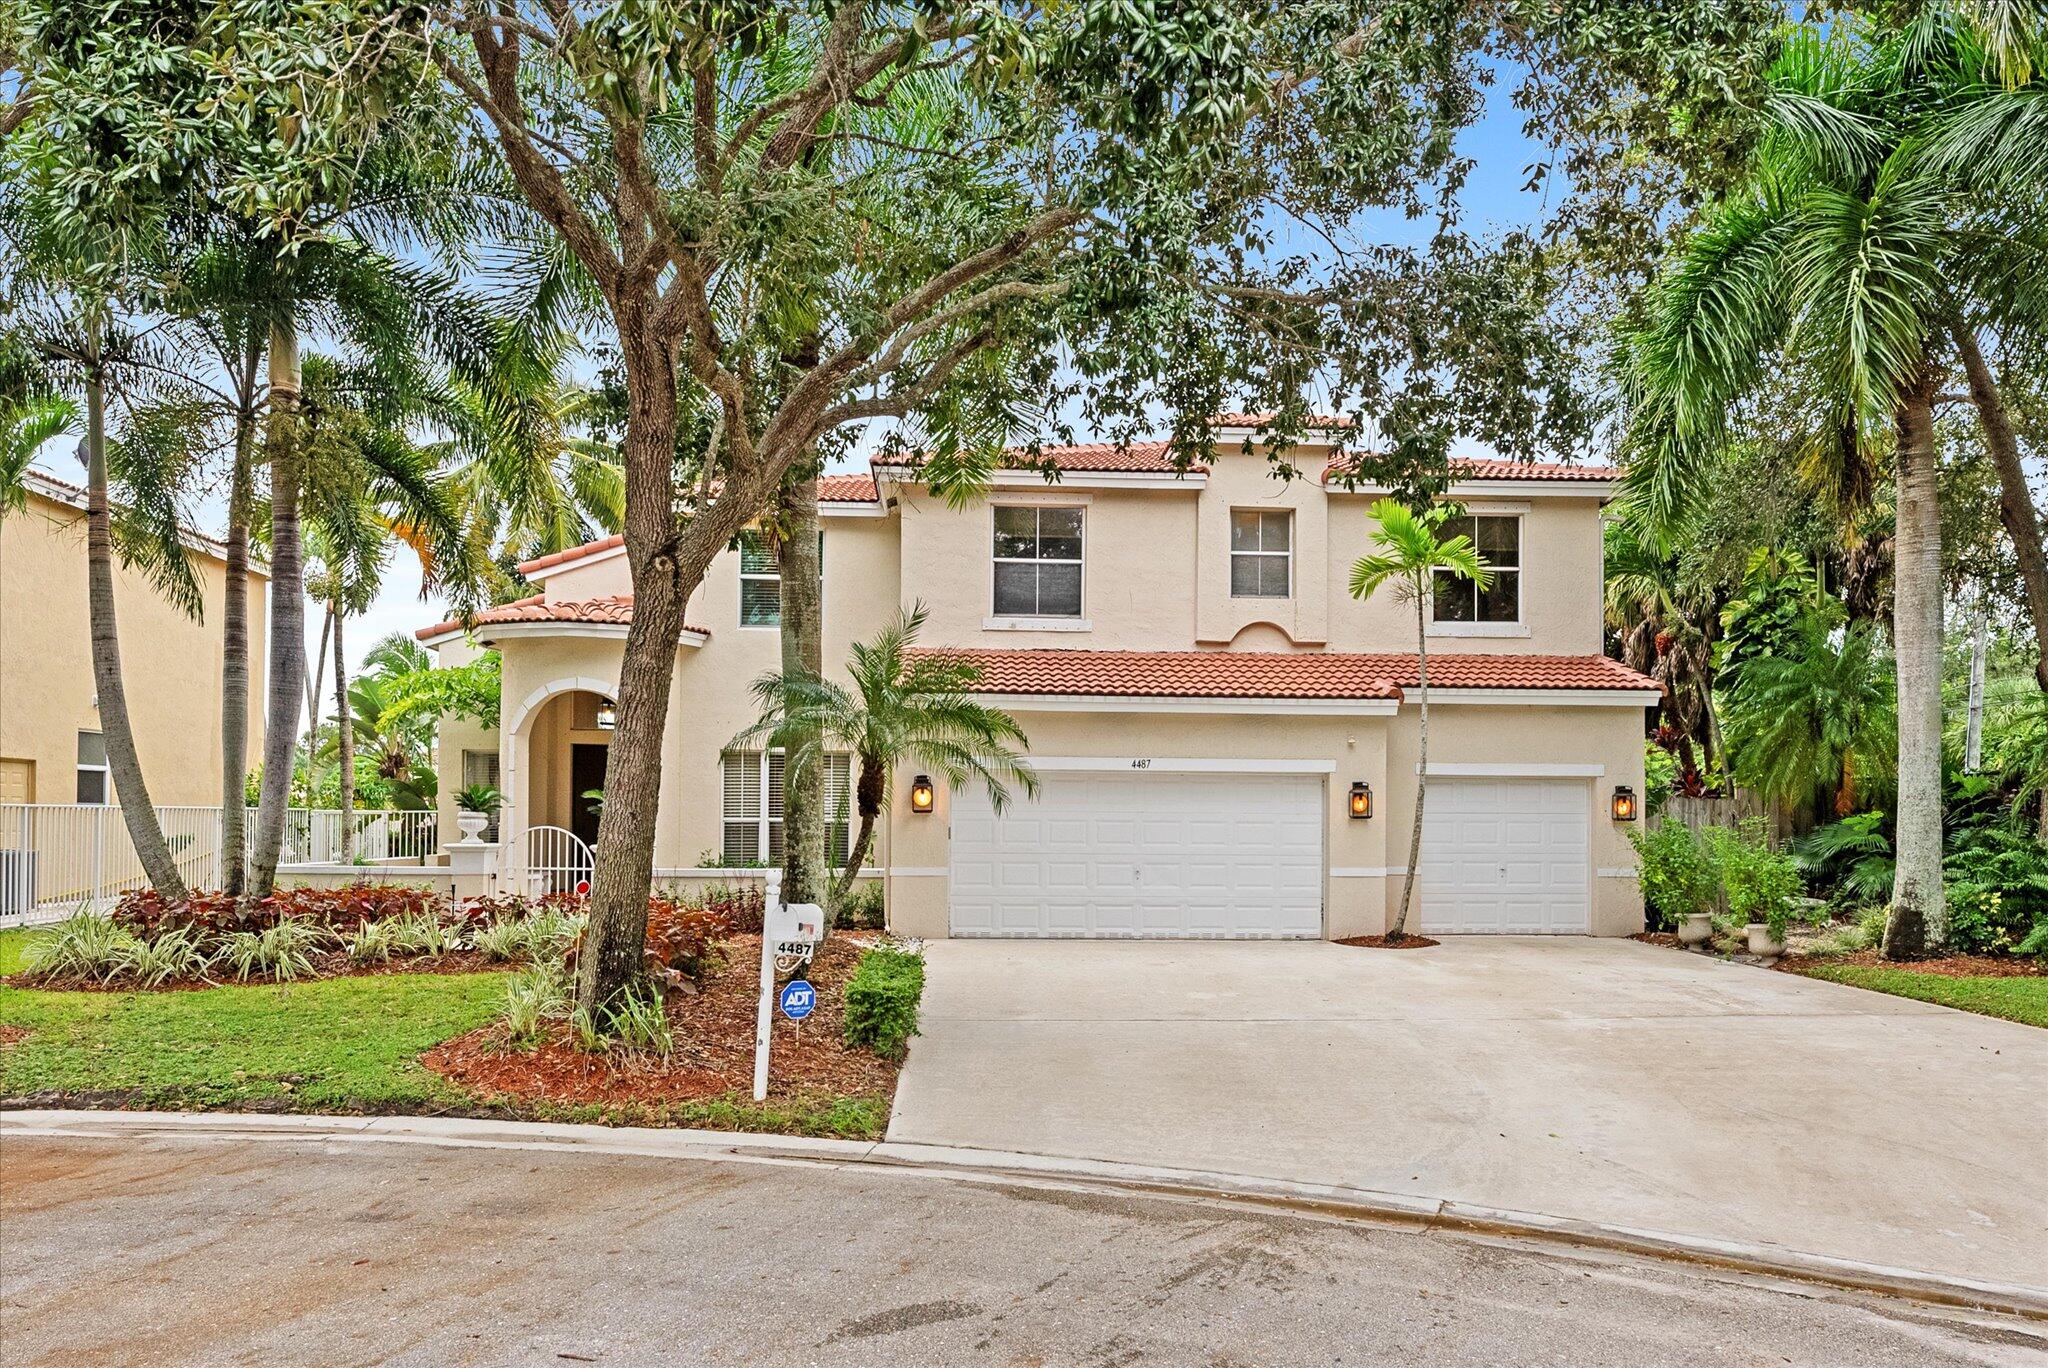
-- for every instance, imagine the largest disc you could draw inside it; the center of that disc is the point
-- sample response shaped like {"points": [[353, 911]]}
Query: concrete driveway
{"points": [[1598, 1080]]}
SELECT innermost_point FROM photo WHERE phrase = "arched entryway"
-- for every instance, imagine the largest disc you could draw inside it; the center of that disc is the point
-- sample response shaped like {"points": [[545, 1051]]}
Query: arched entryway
{"points": [[568, 740]]}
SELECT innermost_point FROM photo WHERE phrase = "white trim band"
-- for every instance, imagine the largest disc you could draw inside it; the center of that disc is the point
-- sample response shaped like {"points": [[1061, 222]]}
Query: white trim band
{"points": [[1511, 770], [1148, 764], [1367, 871], [1214, 707], [1620, 872], [1549, 698]]}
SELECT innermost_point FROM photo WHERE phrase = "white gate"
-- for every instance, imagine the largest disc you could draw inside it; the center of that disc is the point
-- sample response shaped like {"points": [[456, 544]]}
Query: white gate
{"points": [[557, 861]]}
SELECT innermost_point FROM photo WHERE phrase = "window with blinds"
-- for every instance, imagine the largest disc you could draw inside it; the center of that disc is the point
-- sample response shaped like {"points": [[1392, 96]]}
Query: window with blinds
{"points": [[752, 803]]}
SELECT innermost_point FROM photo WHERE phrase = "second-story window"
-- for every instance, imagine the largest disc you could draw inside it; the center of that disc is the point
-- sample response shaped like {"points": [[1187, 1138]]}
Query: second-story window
{"points": [[93, 783], [1499, 540], [1038, 561], [1261, 553], [761, 580]]}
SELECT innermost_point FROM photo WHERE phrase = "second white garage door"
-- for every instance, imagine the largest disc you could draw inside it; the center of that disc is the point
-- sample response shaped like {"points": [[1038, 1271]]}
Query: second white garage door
{"points": [[1156, 854], [1506, 855]]}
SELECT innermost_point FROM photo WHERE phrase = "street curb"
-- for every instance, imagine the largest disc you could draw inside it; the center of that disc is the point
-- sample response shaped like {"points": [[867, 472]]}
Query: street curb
{"points": [[1338, 1202]]}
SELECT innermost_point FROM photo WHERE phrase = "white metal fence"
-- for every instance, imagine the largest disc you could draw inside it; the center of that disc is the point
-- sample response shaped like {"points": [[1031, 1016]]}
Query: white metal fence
{"points": [[557, 861], [58, 857]]}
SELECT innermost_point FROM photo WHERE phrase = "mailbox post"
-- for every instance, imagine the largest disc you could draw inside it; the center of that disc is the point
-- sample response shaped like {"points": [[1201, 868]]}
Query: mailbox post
{"points": [[789, 935]]}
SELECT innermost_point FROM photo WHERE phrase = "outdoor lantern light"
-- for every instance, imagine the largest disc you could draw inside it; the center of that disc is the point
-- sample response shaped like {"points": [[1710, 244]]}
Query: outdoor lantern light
{"points": [[607, 714], [1361, 799], [921, 793], [1623, 805]]}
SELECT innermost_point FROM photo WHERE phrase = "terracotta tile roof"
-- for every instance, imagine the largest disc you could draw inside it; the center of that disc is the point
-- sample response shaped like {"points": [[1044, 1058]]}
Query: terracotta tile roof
{"points": [[1149, 458], [846, 489], [573, 553], [1257, 674], [1325, 421], [1472, 468], [615, 610]]}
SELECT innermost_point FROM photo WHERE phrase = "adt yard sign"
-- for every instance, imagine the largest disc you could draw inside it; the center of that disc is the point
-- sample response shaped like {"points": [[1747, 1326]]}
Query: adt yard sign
{"points": [[799, 999]]}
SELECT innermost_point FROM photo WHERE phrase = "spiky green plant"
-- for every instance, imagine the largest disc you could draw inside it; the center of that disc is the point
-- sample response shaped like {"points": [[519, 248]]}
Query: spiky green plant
{"points": [[175, 954], [84, 945]]}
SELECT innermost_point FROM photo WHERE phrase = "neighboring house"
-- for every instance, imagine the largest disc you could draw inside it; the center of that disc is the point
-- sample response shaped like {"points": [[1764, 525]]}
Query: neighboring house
{"points": [[51, 747], [1200, 690]]}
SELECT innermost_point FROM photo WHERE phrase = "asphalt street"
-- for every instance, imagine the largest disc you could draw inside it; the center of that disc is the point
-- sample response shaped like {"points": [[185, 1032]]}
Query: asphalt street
{"points": [[218, 1249]]}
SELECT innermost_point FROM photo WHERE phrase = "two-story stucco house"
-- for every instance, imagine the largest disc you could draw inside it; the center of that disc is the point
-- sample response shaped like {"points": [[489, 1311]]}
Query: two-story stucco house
{"points": [[51, 746], [1202, 694]]}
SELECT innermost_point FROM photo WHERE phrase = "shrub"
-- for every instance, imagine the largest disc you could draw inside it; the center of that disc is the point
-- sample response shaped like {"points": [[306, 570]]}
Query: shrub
{"points": [[1997, 884], [679, 940], [339, 910], [1852, 856], [882, 999], [424, 933], [174, 954], [371, 943], [740, 904], [282, 952], [504, 940], [1763, 885], [533, 999], [638, 1020], [1676, 871], [862, 908], [83, 946]]}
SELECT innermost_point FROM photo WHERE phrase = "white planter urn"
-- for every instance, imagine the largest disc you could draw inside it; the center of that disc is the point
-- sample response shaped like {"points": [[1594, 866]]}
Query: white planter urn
{"points": [[471, 825], [1695, 929], [1760, 942]]}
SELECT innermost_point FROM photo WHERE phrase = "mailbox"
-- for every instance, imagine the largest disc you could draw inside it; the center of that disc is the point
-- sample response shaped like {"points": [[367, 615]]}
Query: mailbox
{"points": [[796, 926]]}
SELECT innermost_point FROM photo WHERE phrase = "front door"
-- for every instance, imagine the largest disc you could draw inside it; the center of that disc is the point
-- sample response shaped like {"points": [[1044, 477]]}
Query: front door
{"points": [[586, 775]]}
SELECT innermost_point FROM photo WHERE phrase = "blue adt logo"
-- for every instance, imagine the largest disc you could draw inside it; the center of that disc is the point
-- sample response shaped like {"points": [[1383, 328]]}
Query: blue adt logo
{"points": [[798, 999]]}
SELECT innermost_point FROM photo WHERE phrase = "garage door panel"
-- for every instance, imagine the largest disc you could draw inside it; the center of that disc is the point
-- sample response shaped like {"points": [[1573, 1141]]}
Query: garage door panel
{"points": [[1506, 856], [1158, 854]]}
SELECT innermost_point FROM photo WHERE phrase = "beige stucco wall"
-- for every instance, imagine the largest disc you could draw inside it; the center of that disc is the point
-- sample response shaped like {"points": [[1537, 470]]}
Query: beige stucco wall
{"points": [[1561, 583], [170, 663]]}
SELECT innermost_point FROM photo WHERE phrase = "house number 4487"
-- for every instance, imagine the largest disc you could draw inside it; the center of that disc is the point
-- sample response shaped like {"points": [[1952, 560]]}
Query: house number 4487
{"points": [[1141, 764]]}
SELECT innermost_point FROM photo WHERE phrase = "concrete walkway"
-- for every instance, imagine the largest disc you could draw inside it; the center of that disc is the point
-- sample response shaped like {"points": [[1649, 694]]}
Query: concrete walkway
{"points": [[1593, 1080]]}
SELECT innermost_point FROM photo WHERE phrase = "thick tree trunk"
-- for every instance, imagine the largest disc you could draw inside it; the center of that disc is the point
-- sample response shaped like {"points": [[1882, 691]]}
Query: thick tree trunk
{"points": [[803, 774], [344, 746], [119, 737], [287, 611], [612, 951], [1917, 924], [2015, 500], [234, 663], [1400, 930]]}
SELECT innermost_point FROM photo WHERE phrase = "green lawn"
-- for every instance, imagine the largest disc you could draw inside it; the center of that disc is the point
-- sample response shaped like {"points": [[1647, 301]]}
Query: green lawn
{"points": [[326, 1045], [331, 1044], [2016, 999]]}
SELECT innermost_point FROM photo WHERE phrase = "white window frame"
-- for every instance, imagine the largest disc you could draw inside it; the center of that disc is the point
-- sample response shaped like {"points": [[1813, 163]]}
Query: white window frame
{"points": [[774, 576], [1076, 621], [102, 770], [1285, 557], [1519, 626], [769, 818]]}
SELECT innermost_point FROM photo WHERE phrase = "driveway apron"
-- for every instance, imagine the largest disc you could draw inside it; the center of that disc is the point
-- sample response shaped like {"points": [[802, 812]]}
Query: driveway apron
{"points": [[1599, 1080]]}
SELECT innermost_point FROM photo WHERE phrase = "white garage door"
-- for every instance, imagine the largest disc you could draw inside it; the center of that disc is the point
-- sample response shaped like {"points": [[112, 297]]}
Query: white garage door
{"points": [[1506, 855], [1157, 854]]}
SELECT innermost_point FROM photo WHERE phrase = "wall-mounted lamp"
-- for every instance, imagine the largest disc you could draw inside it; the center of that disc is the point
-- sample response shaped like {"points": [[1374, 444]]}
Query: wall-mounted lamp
{"points": [[921, 793], [1623, 804], [607, 714], [1361, 799]]}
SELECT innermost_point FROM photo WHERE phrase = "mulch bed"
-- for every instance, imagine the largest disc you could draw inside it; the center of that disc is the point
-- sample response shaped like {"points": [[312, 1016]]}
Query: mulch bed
{"points": [[10, 1034], [327, 964], [1411, 941], [1949, 966], [1668, 939], [714, 1046]]}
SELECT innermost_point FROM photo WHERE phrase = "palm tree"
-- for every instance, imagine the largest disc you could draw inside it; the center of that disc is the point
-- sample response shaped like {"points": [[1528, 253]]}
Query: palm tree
{"points": [[1841, 260], [1819, 718], [902, 706], [26, 424], [1410, 558]]}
